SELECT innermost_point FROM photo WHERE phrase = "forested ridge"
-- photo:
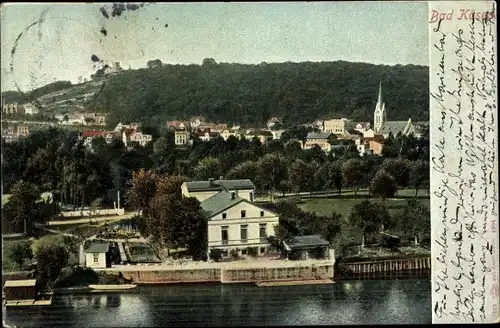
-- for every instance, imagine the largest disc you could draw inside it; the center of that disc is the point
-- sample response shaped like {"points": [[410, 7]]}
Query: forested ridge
{"points": [[251, 94]]}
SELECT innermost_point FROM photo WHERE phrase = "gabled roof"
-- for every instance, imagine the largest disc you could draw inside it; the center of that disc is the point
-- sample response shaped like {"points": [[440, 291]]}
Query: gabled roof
{"points": [[219, 202], [97, 247], [303, 242], [393, 126], [318, 135], [228, 185]]}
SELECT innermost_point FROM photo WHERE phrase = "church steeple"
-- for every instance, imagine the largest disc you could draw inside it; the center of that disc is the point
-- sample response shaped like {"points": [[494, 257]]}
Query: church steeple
{"points": [[379, 102], [379, 116]]}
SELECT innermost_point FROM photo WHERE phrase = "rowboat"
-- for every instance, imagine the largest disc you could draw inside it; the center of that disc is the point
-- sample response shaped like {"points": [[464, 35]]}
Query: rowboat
{"points": [[112, 287]]}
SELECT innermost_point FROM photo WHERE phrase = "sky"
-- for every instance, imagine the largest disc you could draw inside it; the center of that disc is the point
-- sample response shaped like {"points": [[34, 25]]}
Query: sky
{"points": [[60, 45]]}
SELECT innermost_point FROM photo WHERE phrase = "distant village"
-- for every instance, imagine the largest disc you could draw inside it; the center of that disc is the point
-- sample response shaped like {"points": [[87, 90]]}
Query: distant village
{"points": [[368, 138]]}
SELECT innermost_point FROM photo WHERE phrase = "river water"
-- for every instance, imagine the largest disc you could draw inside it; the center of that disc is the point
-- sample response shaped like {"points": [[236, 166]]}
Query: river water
{"points": [[342, 303]]}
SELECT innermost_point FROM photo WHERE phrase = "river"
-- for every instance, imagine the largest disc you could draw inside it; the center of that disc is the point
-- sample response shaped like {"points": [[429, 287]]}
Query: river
{"points": [[342, 303]]}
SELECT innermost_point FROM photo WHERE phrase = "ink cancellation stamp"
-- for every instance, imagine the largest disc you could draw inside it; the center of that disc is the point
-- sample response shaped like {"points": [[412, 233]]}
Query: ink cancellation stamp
{"points": [[464, 161]]}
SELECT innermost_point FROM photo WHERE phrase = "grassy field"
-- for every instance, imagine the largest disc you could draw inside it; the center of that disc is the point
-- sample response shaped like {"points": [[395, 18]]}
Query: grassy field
{"points": [[343, 206]]}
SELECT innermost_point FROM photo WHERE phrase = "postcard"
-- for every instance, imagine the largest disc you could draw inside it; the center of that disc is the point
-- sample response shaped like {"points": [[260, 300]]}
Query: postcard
{"points": [[231, 164]]}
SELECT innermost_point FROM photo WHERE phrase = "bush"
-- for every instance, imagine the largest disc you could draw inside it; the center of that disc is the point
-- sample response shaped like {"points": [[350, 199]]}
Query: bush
{"points": [[215, 255], [234, 254], [77, 277]]}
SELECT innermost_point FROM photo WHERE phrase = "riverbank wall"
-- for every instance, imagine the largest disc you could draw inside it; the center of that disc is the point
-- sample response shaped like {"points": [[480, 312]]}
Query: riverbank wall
{"points": [[292, 271], [384, 268]]}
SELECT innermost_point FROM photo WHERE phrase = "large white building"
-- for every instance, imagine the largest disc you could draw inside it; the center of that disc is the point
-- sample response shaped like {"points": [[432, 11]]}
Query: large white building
{"points": [[235, 222]]}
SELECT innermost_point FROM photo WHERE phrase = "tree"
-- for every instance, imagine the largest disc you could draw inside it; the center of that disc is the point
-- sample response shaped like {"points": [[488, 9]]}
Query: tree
{"points": [[154, 64], [383, 185], [419, 175], [209, 62], [353, 173], [271, 172], [415, 221], [301, 176], [176, 221], [52, 255], [208, 167], [23, 205], [400, 169], [369, 217], [245, 170], [20, 251], [143, 189]]}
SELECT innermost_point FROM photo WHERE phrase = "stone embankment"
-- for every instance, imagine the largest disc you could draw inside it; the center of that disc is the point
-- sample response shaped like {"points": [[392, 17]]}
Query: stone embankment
{"points": [[231, 272]]}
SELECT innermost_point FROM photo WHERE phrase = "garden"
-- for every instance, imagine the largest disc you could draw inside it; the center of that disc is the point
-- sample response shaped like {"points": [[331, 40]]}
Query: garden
{"points": [[140, 253]]}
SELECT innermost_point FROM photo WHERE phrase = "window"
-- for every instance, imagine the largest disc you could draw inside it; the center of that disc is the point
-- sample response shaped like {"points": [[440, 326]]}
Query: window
{"points": [[261, 213], [244, 233], [263, 232], [243, 214], [224, 235], [96, 258], [224, 215]]}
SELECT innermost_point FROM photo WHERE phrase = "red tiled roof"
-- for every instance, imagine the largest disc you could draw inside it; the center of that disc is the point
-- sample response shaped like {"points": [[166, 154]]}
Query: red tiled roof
{"points": [[92, 133]]}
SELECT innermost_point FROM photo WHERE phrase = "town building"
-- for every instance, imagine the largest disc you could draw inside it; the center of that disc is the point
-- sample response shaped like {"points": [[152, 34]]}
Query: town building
{"points": [[120, 127], [97, 254], [94, 119], [382, 126], [88, 135], [376, 145], [320, 139], [277, 134], [227, 133], [131, 137], [336, 126], [274, 122], [30, 109], [235, 223], [178, 125], [181, 137], [202, 190], [263, 135], [23, 130], [206, 135], [195, 122], [9, 108]]}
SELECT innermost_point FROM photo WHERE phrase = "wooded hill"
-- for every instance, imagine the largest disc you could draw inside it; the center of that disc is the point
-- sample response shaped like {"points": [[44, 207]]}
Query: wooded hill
{"points": [[251, 94]]}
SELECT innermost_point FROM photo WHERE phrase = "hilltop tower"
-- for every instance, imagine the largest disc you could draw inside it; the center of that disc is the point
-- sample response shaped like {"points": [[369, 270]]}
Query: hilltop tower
{"points": [[380, 115]]}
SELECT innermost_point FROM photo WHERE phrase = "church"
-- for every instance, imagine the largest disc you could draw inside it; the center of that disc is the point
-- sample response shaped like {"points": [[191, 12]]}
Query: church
{"points": [[381, 126]]}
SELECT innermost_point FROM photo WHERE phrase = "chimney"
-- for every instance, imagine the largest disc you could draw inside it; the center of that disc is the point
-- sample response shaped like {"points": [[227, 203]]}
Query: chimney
{"points": [[221, 178], [211, 181], [233, 195]]}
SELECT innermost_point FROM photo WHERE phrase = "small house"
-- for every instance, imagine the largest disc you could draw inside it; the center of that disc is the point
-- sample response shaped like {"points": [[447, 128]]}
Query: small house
{"points": [[97, 254], [20, 290], [307, 247]]}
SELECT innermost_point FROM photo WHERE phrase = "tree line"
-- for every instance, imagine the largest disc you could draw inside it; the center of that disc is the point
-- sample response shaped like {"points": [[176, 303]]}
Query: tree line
{"points": [[55, 160]]}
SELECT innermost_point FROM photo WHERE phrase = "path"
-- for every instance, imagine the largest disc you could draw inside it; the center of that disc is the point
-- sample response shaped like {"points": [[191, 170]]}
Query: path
{"points": [[55, 231], [98, 219]]}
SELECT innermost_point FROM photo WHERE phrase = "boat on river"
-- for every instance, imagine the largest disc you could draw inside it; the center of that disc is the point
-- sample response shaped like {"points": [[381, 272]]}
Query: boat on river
{"points": [[112, 288]]}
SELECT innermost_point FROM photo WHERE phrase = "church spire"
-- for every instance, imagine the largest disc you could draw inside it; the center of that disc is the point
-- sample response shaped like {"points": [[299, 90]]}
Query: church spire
{"points": [[380, 94]]}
